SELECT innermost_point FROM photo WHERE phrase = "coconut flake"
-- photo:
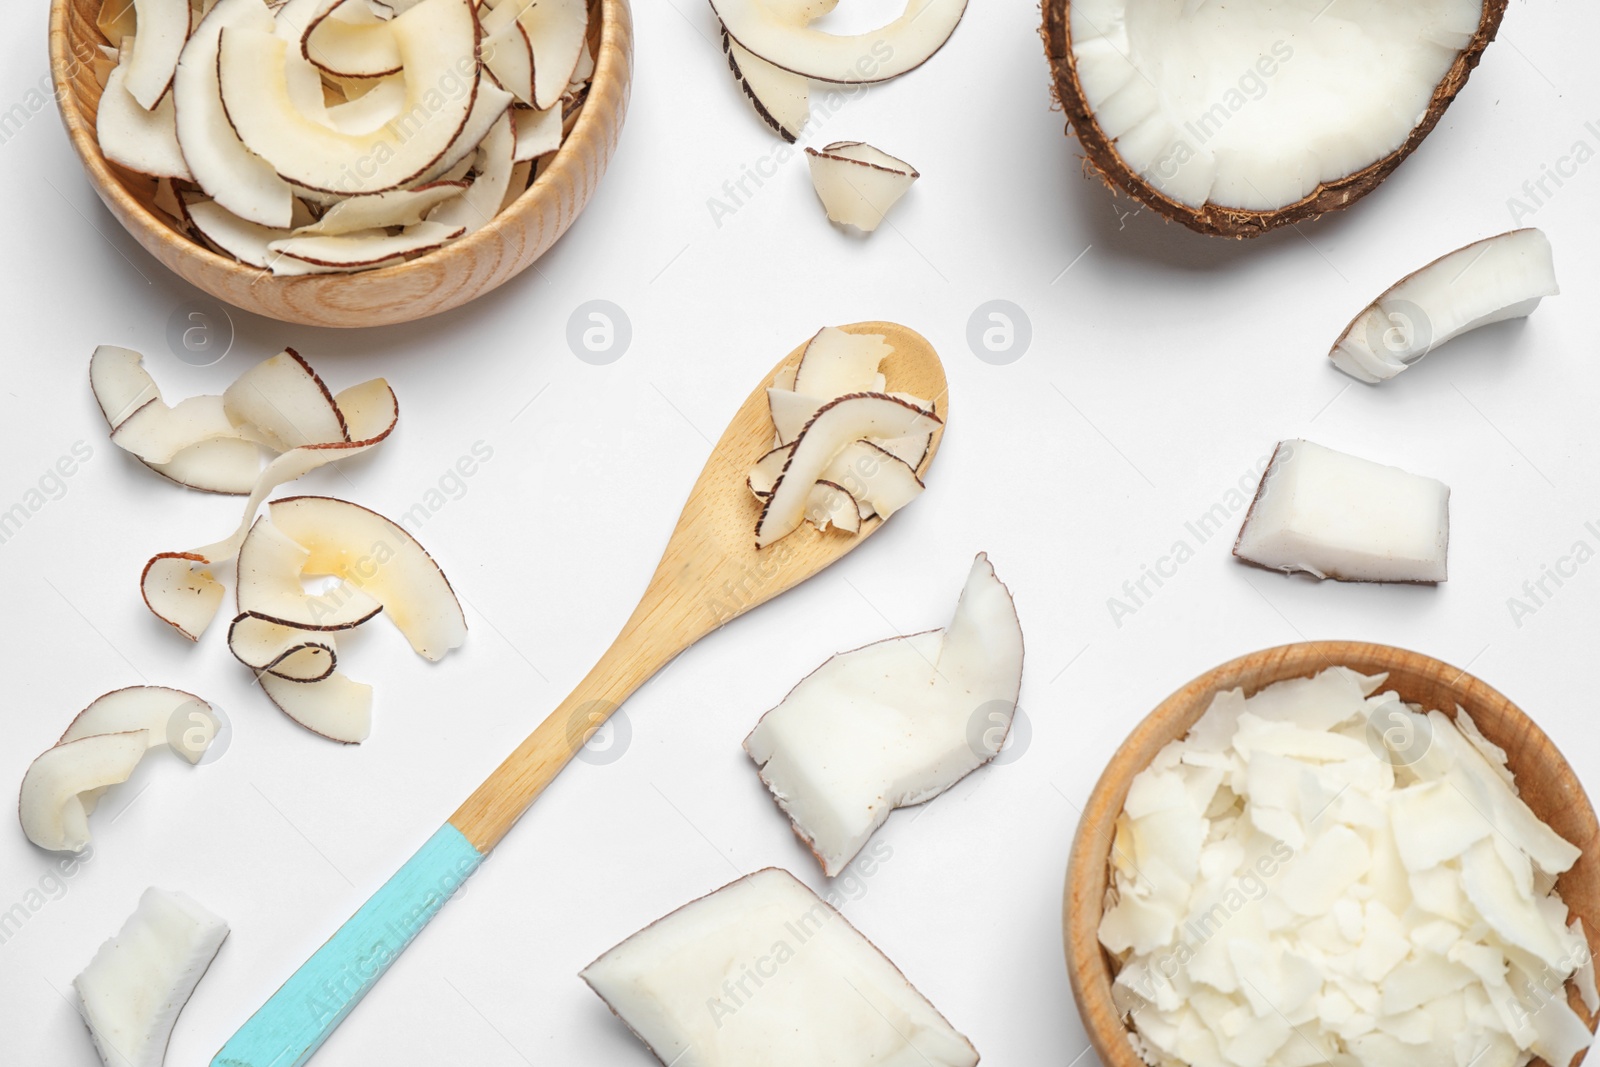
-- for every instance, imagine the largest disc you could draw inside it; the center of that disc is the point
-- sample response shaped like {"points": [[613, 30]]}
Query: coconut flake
{"points": [[858, 183]]}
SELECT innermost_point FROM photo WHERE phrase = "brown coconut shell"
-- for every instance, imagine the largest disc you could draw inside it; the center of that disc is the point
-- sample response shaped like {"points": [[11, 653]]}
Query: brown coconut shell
{"points": [[1102, 157]]}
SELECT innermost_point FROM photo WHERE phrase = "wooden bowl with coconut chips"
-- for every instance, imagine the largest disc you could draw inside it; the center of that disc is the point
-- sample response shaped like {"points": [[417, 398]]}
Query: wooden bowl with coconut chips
{"points": [[1547, 783], [427, 285]]}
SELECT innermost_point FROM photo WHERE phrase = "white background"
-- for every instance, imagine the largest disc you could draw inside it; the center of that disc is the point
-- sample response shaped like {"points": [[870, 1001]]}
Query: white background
{"points": [[1162, 366]]}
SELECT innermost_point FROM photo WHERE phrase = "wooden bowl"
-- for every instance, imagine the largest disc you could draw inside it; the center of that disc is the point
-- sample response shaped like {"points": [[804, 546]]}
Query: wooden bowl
{"points": [[425, 286], [1546, 781]]}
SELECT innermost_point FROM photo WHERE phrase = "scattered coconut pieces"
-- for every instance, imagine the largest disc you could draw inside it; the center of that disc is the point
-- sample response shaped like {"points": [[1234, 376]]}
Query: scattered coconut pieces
{"points": [[779, 32], [1334, 515], [1322, 872], [321, 136], [893, 724], [1492, 280], [765, 971], [131, 993], [838, 433], [100, 749], [858, 183]]}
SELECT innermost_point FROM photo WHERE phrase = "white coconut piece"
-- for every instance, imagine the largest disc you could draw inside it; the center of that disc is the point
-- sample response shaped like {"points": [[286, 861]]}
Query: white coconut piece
{"points": [[178, 586], [790, 412], [248, 242], [777, 32], [781, 98], [488, 105], [166, 715], [858, 191], [255, 80], [1334, 515], [506, 51], [283, 403], [379, 559], [341, 42], [584, 71], [832, 505], [537, 132], [557, 32], [881, 482], [120, 383], [131, 993], [363, 248], [271, 563], [162, 29], [156, 433], [835, 426], [141, 139], [52, 815], [893, 724], [379, 104], [473, 209], [763, 971], [335, 707], [397, 207], [836, 362], [292, 654], [1492, 280], [521, 176], [238, 180]]}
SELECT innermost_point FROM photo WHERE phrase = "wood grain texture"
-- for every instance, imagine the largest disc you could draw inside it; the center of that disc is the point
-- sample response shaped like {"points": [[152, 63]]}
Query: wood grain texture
{"points": [[425, 286], [710, 573], [1547, 783]]}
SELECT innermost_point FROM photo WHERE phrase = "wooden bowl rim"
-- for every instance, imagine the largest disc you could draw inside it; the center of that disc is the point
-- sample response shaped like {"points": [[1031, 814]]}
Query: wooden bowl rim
{"points": [[613, 50], [1089, 966]]}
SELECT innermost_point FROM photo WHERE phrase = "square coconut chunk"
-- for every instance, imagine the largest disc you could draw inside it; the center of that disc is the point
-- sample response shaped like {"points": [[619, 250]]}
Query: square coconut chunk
{"points": [[1336, 515], [763, 973]]}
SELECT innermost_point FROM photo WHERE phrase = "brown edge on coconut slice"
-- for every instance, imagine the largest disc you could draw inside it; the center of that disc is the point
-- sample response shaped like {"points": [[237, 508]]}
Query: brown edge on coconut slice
{"points": [[327, 394], [305, 50], [113, 692], [827, 152], [268, 668], [823, 900], [1102, 159], [761, 111], [144, 576]]}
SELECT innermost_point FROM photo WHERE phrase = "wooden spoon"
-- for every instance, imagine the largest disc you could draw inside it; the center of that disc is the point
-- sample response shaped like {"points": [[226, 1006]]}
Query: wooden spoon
{"points": [[711, 572]]}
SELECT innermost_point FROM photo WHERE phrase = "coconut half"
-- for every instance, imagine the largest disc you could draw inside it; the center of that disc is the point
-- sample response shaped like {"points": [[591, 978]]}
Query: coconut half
{"points": [[893, 724], [763, 971], [858, 183], [778, 32], [131, 993], [1237, 118], [1334, 515], [1492, 280]]}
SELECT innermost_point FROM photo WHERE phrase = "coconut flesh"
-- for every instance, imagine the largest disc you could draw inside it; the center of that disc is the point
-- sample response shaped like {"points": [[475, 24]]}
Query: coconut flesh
{"points": [[1498, 278], [840, 439], [858, 183], [263, 121], [763, 971], [893, 724], [1237, 117], [1323, 873], [1334, 515], [130, 994]]}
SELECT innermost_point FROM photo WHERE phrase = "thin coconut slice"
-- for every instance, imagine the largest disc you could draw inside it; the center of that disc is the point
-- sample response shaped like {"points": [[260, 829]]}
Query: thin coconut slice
{"points": [[163, 27], [364, 248], [156, 433], [764, 971], [294, 655], [169, 717], [558, 32], [131, 993], [880, 481], [380, 104], [831, 504], [398, 207], [488, 105], [521, 177], [781, 99], [506, 52], [836, 425], [893, 724], [120, 383], [270, 587], [537, 132], [777, 32], [857, 183], [284, 404], [836, 362], [1498, 278], [256, 92], [1334, 515], [340, 43], [139, 138], [53, 816], [335, 707], [473, 209], [248, 242], [179, 588], [1237, 118], [238, 180], [381, 560]]}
